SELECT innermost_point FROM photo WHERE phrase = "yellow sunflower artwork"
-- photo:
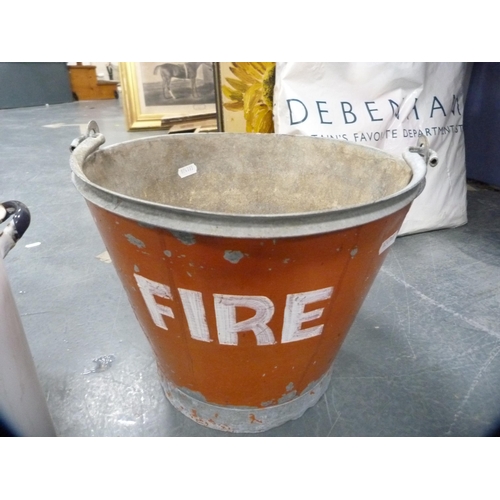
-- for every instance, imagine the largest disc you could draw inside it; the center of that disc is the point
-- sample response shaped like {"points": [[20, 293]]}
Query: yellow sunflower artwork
{"points": [[250, 91]]}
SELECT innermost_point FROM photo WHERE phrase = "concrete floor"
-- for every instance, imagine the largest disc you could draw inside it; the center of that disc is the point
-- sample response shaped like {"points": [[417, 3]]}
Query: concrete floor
{"points": [[422, 358]]}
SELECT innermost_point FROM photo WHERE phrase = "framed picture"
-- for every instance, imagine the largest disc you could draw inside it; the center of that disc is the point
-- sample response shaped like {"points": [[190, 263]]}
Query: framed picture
{"points": [[157, 94], [245, 96]]}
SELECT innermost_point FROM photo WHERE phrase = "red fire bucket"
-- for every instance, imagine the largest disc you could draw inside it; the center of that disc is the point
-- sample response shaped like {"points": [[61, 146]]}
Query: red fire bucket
{"points": [[245, 258]]}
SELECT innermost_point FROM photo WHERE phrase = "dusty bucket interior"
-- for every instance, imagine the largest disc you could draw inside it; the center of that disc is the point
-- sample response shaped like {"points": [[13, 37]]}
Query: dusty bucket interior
{"points": [[248, 173]]}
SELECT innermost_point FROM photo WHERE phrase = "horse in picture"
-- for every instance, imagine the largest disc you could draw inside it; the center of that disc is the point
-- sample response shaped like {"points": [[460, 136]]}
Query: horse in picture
{"points": [[184, 71]]}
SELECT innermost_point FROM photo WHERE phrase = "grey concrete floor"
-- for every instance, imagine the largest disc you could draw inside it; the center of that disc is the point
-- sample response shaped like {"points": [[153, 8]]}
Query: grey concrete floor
{"points": [[422, 358]]}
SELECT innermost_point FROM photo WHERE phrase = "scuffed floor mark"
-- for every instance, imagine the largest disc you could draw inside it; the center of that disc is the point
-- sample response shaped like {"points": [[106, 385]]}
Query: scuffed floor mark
{"points": [[472, 387], [233, 256], [104, 257], [132, 239], [102, 363], [443, 307], [332, 423], [186, 238], [407, 332], [127, 423]]}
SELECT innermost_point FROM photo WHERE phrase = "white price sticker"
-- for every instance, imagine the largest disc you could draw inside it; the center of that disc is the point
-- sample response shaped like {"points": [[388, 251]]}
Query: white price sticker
{"points": [[388, 242], [187, 170]]}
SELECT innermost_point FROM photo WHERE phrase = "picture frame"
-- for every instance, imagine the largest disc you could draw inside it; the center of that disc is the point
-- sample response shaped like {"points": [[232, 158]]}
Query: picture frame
{"points": [[245, 96], [157, 95]]}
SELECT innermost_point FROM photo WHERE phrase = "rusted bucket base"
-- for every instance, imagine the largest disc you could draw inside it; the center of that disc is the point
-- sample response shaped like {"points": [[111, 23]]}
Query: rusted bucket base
{"points": [[241, 419]]}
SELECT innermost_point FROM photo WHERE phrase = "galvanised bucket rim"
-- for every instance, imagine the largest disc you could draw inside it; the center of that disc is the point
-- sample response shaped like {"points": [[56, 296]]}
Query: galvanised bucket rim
{"points": [[209, 223]]}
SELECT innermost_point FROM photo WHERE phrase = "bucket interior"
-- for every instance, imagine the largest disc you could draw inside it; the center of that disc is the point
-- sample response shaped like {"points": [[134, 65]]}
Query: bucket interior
{"points": [[261, 174]]}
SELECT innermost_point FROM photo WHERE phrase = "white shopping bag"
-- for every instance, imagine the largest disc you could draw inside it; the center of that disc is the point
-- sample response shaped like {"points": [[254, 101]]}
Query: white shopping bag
{"points": [[386, 105]]}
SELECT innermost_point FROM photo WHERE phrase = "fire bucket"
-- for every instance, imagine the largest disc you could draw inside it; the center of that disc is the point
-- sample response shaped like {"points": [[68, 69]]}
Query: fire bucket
{"points": [[245, 258]]}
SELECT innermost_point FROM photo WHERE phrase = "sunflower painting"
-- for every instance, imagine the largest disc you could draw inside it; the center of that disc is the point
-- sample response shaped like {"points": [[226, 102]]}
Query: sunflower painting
{"points": [[247, 96]]}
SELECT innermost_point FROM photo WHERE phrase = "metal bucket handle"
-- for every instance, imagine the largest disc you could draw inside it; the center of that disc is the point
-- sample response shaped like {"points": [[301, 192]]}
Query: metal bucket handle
{"points": [[257, 226], [85, 145], [17, 226], [430, 156]]}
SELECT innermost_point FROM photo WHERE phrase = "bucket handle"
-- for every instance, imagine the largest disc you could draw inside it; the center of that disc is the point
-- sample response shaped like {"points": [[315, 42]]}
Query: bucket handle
{"points": [[17, 226], [430, 157], [85, 145]]}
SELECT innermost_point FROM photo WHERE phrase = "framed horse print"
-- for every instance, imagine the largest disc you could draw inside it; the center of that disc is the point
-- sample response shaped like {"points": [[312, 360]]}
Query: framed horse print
{"points": [[158, 94]]}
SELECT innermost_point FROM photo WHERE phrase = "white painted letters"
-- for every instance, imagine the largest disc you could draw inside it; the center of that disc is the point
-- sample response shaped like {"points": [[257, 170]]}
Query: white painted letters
{"points": [[228, 328], [295, 315], [192, 302], [225, 307], [148, 290]]}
